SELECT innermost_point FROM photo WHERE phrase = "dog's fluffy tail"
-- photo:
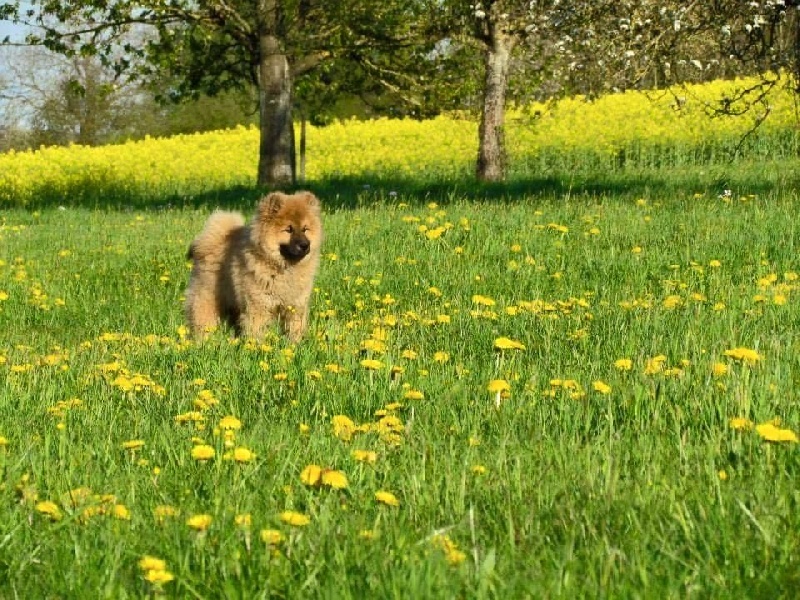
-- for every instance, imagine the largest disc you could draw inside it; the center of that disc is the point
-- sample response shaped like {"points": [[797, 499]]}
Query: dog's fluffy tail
{"points": [[215, 237]]}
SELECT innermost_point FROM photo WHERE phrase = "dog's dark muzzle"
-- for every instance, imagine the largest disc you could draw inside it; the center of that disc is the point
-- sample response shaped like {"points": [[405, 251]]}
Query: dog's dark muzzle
{"points": [[297, 248]]}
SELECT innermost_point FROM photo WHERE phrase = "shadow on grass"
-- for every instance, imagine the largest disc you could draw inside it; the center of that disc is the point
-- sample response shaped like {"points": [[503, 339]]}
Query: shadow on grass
{"points": [[352, 192]]}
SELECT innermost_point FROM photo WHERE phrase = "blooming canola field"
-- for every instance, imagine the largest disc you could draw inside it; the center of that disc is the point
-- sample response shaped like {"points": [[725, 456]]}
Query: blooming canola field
{"points": [[632, 129], [551, 394]]}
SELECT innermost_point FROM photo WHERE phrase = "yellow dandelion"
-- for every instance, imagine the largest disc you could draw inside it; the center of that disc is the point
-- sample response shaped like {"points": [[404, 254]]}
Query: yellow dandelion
{"points": [[623, 364], [745, 355], [498, 385], [414, 395], [199, 522], [441, 357], [151, 563], [601, 387], [771, 433], [719, 369], [371, 364], [655, 364], [133, 444], [230, 423], [295, 519], [165, 511], [434, 234], [367, 456], [387, 498], [244, 520], [455, 556], [158, 576], [121, 512], [49, 509], [192, 416], [343, 427], [452, 554], [241, 454], [334, 479], [740, 423], [271, 537], [202, 452], [504, 343], [207, 398], [483, 300], [311, 475]]}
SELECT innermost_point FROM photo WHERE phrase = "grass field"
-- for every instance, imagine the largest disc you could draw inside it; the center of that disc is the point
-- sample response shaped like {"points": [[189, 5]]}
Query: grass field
{"points": [[550, 389]]}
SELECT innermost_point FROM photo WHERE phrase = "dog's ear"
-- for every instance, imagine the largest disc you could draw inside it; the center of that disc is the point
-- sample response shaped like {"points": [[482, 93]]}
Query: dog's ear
{"points": [[271, 203], [267, 209], [311, 200]]}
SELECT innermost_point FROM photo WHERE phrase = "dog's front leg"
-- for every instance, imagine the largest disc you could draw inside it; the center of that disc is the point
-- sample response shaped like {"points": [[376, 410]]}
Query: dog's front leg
{"points": [[253, 321], [295, 322]]}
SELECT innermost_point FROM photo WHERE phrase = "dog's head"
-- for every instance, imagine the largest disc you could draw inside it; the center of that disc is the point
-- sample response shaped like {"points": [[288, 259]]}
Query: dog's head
{"points": [[289, 226]]}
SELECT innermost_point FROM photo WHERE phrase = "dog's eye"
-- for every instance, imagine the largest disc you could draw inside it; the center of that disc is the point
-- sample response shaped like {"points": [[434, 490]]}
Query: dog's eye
{"points": [[306, 228], [289, 229]]}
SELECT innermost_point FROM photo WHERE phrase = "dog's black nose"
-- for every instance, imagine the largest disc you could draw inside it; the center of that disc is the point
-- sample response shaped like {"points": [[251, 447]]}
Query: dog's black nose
{"points": [[296, 249]]}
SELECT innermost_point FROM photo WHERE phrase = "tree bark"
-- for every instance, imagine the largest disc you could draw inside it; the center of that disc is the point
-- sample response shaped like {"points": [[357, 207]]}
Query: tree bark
{"points": [[276, 158], [491, 135]]}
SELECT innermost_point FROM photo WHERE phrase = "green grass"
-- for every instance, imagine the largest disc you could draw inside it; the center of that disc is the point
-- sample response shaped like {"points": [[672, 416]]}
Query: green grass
{"points": [[584, 494]]}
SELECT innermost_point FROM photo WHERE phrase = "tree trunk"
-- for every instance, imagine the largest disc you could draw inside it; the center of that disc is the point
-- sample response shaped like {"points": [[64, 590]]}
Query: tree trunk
{"points": [[276, 158], [491, 138]]}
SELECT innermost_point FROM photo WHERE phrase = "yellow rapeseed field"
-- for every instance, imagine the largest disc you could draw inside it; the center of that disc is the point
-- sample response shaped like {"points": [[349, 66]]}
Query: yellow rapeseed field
{"points": [[637, 128]]}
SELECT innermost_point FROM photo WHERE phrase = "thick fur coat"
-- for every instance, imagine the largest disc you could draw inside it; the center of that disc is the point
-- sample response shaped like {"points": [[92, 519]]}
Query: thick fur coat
{"points": [[251, 276]]}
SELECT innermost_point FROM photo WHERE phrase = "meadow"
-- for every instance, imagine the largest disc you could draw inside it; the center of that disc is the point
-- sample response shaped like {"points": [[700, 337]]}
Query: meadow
{"points": [[579, 384]]}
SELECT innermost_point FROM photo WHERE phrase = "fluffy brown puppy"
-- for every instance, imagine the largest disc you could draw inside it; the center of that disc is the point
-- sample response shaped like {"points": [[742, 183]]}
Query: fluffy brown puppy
{"points": [[250, 276]]}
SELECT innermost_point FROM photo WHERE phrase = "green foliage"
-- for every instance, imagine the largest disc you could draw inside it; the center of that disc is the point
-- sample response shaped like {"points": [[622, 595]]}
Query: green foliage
{"points": [[368, 48]]}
